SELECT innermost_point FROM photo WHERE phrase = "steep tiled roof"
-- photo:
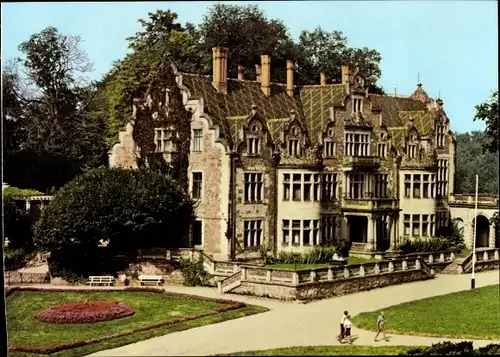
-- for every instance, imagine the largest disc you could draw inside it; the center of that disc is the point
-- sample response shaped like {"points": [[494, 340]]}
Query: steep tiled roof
{"points": [[311, 105], [391, 106]]}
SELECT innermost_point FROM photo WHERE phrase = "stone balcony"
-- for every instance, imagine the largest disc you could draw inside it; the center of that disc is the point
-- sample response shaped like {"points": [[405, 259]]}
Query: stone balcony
{"points": [[482, 200], [369, 204], [362, 162]]}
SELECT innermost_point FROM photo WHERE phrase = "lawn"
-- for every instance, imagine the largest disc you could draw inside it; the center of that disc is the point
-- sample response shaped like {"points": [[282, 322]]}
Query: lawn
{"points": [[473, 314], [350, 261], [464, 253], [150, 308], [352, 350]]}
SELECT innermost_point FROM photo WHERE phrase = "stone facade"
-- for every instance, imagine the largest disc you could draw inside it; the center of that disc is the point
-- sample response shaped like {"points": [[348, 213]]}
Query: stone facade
{"points": [[284, 167]]}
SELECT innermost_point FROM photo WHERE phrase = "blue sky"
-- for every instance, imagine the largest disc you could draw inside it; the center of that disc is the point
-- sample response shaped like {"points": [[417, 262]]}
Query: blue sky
{"points": [[452, 44]]}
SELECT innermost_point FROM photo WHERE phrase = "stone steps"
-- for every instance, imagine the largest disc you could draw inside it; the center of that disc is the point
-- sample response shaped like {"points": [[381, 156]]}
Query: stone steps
{"points": [[453, 267]]}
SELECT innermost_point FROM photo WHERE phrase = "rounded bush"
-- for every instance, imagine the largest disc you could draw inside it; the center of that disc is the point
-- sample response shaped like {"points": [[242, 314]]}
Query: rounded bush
{"points": [[85, 312]]}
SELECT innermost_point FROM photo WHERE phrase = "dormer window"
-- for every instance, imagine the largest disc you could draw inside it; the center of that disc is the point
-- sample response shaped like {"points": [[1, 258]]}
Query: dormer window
{"points": [[357, 105], [411, 148], [254, 140], [329, 148], [293, 147]]}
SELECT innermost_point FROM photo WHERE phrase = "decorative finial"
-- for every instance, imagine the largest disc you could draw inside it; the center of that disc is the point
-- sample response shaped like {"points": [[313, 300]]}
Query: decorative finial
{"points": [[254, 107], [418, 80]]}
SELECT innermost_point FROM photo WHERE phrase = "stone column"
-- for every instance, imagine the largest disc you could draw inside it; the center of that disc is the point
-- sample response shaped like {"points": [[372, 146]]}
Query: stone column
{"points": [[491, 243], [392, 231], [28, 205], [469, 234], [371, 239]]}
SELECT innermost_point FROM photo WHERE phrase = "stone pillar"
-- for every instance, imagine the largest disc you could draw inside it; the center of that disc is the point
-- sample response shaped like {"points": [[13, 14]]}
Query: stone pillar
{"points": [[469, 234], [491, 242], [28, 206], [371, 239], [393, 231]]}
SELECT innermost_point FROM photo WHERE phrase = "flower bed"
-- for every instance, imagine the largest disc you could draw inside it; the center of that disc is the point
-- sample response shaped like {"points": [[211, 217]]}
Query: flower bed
{"points": [[84, 312], [228, 305]]}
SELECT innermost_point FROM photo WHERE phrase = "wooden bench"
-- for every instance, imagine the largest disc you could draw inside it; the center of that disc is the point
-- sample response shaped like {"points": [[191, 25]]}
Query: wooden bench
{"points": [[156, 279], [101, 280]]}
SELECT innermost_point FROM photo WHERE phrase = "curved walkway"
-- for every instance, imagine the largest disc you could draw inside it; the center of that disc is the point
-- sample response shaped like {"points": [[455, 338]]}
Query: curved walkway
{"points": [[291, 324]]}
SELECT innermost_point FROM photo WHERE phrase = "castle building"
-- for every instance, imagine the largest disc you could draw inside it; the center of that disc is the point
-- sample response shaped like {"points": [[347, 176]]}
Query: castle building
{"points": [[287, 167]]}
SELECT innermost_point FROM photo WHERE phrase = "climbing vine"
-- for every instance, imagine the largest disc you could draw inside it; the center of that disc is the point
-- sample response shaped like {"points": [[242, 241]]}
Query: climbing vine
{"points": [[162, 106]]}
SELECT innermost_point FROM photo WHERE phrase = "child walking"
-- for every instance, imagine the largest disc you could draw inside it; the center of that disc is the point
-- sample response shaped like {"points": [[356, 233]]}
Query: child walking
{"points": [[347, 326], [380, 326], [342, 329]]}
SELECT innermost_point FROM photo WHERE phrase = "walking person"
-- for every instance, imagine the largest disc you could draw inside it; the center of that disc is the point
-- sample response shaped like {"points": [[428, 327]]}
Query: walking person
{"points": [[347, 326], [380, 326], [342, 329]]}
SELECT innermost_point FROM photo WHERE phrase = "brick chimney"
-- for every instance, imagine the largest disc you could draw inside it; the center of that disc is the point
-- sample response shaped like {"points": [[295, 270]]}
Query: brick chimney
{"points": [[241, 72], [289, 78], [219, 80], [265, 80], [345, 74], [322, 79], [257, 72]]}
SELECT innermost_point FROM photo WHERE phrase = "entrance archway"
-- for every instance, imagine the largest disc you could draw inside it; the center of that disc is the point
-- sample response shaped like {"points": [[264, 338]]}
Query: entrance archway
{"points": [[482, 231], [358, 228]]}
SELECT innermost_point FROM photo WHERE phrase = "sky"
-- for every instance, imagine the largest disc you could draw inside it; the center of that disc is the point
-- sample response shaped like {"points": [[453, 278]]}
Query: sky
{"points": [[452, 45]]}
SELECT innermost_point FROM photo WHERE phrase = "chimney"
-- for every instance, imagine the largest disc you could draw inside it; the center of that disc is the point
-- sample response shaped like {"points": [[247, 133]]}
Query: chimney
{"points": [[257, 72], [289, 78], [322, 79], [265, 80], [219, 80], [241, 72], [395, 91], [345, 74]]}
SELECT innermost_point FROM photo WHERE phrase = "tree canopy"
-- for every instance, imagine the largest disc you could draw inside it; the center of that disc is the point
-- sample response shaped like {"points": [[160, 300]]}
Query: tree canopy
{"points": [[488, 112], [51, 132]]}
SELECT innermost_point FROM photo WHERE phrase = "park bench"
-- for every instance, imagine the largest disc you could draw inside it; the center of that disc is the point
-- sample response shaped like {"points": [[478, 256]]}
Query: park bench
{"points": [[101, 280], [156, 279]]}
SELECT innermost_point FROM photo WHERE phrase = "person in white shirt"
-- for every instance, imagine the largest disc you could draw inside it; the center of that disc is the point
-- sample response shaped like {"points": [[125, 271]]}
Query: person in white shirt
{"points": [[342, 329], [347, 326]]}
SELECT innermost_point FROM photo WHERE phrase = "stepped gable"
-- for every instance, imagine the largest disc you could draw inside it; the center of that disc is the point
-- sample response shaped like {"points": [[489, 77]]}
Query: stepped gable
{"points": [[231, 110]]}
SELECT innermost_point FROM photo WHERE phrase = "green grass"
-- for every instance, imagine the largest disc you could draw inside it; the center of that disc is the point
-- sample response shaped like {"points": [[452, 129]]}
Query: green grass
{"points": [[464, 253], [471, 314], [150, 308], [352, 350], [350, 261]]}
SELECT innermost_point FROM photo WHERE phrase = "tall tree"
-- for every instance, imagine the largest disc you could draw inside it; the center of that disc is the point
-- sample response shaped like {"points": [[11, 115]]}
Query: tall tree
{"points": [[488, 112], [52, 137]]}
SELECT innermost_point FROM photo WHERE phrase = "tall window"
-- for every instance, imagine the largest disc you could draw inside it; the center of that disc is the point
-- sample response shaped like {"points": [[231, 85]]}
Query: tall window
{"points": [[293, 147], [329, 148], [356, 185], [407, 186], [311, 187], [411, 150], [433, 186], [254, 187], [197, 139], [425, 225], [328, 227], [197, 184], [416, 186], [357, 144], [440, 136], [253, 146], [381, 184], [415, 225], [407, 225], [253, 233], [286, 187], [442, 177], [382, 150], [426, 187], [297, 187], [307, 187], [357, 105], [432, 225], [162, 140], [197, 232], [329, 187], [301, 232]]}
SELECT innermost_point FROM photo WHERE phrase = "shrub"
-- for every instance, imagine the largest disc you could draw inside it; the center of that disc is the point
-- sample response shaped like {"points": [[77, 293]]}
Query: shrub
{"points": [[491, 349], [131, 209], [425, 245], [194, 272], [16, 258], [443, 349], [318, 255], [84, 312]]}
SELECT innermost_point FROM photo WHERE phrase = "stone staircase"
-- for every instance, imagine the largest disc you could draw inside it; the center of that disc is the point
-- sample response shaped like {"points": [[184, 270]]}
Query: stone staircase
{"points": [[455, 267]]}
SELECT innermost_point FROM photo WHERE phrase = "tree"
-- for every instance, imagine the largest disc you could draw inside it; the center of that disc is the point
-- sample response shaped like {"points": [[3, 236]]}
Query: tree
{"points": [[473, 160], [130, 209], [52, 134], [488, 112]]}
